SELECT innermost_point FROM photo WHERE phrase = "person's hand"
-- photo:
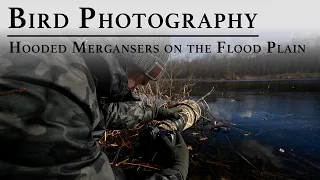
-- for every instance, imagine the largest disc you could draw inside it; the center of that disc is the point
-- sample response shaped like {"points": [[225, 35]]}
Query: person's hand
{"points": [[165, 113], [175, 155]]}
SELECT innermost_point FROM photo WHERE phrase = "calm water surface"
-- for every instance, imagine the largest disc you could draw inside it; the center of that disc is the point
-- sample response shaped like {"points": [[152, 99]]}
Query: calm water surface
{"points": [[275, 131]]}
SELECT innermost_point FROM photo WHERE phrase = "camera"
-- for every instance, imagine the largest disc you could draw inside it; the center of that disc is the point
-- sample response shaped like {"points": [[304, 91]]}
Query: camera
{"points": [[149, 136], [152, 133], [149, 141]]}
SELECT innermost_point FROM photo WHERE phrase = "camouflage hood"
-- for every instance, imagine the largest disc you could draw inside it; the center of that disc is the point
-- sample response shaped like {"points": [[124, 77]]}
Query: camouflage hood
{"points": [[109, 71], [47, 129], [83, 76]]}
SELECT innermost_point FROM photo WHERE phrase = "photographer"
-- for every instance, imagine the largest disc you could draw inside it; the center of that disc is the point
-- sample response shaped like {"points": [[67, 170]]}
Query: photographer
{"points": [[50, 128]]}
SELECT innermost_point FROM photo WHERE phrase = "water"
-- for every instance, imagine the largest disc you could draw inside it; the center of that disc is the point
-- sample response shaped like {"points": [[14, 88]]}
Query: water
{"points": [[276, 131]]}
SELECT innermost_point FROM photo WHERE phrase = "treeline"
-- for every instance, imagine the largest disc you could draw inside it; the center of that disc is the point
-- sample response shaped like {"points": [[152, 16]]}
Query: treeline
{"points": [[245, 66]]}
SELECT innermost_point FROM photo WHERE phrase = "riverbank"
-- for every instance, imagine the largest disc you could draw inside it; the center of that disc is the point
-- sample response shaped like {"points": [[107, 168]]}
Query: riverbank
{"points": [[259, 86], [277, 77]]}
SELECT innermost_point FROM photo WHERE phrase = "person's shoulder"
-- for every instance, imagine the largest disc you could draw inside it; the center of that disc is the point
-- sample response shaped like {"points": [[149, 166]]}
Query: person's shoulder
{"points": [[64, 70]]}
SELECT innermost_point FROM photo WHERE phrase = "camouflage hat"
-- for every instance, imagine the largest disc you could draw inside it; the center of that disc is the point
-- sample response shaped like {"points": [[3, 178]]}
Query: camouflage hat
{"points": [[151, 63]]}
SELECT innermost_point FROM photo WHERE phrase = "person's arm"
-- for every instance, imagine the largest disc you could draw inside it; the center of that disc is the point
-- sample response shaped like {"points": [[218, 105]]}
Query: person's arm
{"points": [[167, 174], [117, 116], [126, 116], [176, 162], [176, 157]]}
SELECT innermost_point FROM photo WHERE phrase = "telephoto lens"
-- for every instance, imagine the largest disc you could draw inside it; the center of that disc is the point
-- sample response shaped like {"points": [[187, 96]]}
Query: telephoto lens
{"points": [[189, 115]]}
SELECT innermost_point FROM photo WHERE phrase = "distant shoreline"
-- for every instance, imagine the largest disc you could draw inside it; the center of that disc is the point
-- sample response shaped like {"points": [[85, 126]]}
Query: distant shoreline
{"points": [[248, 80], [279, 77]]}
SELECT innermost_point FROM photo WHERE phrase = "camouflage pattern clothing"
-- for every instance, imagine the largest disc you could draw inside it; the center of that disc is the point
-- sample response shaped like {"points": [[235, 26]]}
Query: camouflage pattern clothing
{"points": [[49, 130]]}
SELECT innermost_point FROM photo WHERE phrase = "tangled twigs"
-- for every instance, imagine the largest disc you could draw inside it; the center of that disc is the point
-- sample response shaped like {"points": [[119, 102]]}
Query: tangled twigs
{"points": [[20, 90], [140, 165], [211, 91], [122, 162], [116, 157]]}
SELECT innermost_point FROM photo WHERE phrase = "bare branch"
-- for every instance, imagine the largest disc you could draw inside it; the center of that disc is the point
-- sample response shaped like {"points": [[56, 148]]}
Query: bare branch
{"points": [[211, 91]]}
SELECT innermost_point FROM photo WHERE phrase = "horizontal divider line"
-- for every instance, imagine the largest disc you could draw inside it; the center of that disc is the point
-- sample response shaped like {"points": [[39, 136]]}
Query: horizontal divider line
{"points": [[134, 35]]}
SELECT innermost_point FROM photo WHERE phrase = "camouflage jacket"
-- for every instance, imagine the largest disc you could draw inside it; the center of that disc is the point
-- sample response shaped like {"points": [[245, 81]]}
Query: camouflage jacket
{"points": [[48, 129]]}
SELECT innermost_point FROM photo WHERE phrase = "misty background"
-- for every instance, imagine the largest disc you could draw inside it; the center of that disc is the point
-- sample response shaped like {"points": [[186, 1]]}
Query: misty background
{"points": [[249, 66]]}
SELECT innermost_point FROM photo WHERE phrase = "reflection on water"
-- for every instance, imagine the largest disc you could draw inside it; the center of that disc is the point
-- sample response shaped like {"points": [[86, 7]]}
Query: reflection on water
{"points": [[256, 151], [288, 121], [278, 132]]}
